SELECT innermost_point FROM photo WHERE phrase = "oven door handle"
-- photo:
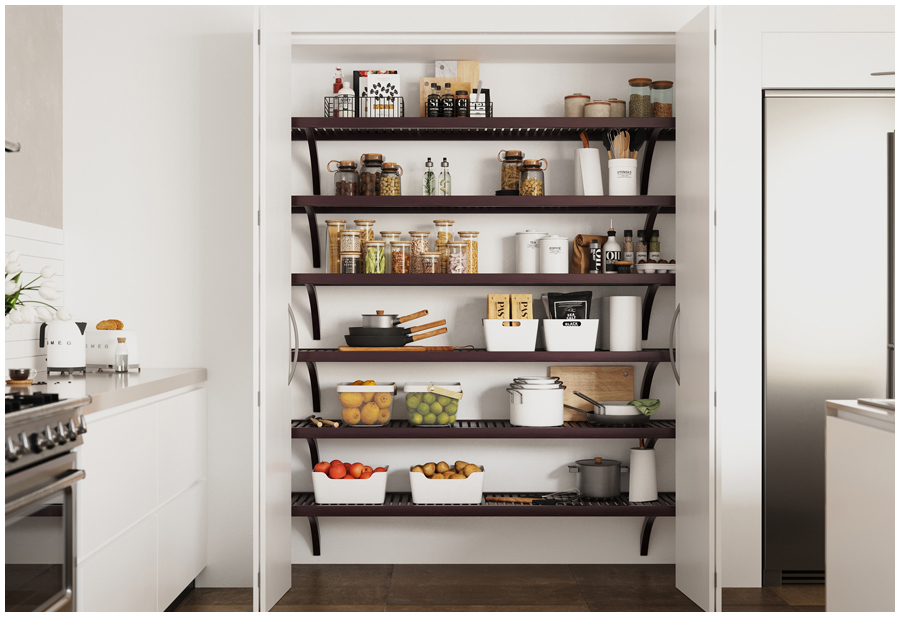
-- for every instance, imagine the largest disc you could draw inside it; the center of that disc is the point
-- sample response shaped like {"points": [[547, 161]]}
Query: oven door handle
{"points": [[64, 482]]}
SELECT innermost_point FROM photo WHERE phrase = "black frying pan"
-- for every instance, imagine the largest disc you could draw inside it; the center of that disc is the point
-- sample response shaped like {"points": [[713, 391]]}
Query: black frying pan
{"points": [[361, 331], [393, 340], [604, 420]]}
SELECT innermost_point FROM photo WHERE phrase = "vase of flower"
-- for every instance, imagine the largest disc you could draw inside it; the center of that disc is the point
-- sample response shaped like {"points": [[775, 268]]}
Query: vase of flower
{"points": [[20, 307]]}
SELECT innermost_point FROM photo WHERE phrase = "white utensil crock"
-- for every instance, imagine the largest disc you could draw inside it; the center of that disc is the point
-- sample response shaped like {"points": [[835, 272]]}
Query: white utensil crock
{"points": [[642, 484], [623, 177]]}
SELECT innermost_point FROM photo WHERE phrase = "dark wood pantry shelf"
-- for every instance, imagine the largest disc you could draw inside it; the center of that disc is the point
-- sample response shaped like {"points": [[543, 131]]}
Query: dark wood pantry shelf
{"points": [[479, 280], [479, 355]]}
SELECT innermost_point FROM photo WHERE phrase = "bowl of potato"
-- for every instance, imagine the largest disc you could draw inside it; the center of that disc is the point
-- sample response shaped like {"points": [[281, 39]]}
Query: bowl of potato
{"points": [[467, 488]]}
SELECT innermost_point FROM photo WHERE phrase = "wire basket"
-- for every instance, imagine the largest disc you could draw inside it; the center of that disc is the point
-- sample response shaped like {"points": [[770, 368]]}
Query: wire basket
{"points": [[364, 107], [481, 109]]}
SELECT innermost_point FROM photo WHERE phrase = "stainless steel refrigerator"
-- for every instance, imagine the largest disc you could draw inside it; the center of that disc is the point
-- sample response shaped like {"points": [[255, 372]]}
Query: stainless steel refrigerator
{"points": [[828, 299]]}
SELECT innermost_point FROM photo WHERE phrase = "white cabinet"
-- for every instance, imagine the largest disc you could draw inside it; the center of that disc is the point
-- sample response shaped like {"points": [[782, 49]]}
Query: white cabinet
{"points": [[141, 510]]}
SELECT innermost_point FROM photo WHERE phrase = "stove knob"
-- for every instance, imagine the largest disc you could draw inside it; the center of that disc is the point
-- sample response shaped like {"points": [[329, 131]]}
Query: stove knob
{"points": [[82, 425], [61, 438], [39, 443], [47, 436], [24, 442], [71, 433], [13, 451]]}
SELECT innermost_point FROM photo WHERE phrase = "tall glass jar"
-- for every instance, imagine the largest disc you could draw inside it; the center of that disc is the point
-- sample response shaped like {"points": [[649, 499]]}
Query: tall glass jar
{"points": [[444, 235], [370, 173], [458, 264], [374, 257], [350, 242], [639, 98], [510, 168], [390, 179], [661, 98], [653, 248], [470, 238], [335, 227], [400, 257], [531, 180], [387, 237], [419, 245], [346, 178], [431, 263], [366, 228], [350, 263]]}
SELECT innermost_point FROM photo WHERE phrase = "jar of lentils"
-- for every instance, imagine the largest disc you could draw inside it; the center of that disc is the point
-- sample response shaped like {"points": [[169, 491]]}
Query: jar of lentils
{"points": [[458, 264], [350, 242], [639, 98], [531, 180], [470, 238], [375, 259], [350, 263], [400, 257], [661, 98], [370, 173], [366, 228], [389, 184], [419, 246], [510, 168], [444, 235], [346, 178], [431, 263], [335, 227]]}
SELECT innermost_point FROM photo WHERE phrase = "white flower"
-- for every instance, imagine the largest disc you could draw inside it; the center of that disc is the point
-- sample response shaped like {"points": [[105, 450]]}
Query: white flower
{"points": [[43, 313], [15, 317], [47, 272], [8, 322], [47, 292], [62, 314], [27, 314], [12, 256], [12, 286], [13, 267]]}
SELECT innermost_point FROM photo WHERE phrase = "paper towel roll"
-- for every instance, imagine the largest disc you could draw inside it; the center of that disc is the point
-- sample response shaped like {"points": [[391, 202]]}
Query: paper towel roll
{"points": [[588, 178], [642, 472], [604, 323], [639, 319], [623, 323]]}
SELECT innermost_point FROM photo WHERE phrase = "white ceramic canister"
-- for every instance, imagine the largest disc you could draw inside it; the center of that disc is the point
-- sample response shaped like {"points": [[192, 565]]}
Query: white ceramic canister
{"points": [[617, 108], [642, 483], [536, 405], [554, 255], [575, 105], [623, 177], [597, 109], [527, 251]]}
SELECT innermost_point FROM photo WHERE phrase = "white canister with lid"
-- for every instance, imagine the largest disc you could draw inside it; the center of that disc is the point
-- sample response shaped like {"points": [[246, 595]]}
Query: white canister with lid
{"points": [[527, 255], [554, 255], [575, 105]]}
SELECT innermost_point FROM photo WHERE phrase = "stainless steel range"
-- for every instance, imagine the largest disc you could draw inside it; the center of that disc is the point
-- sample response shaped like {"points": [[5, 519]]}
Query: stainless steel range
{"points": [[41, 432]]}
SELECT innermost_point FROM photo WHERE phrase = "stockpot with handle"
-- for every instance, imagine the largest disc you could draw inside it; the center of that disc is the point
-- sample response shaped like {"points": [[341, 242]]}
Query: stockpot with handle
{"points": [[600, 478]]}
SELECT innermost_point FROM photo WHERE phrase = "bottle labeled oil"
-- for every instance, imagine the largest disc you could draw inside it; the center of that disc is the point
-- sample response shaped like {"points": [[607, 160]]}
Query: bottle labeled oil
{"points": [[612, 252]]}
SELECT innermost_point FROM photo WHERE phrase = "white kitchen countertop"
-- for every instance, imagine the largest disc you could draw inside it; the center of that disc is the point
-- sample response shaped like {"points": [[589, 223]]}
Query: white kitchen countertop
{"points": [[852, 410], [108, 389]]}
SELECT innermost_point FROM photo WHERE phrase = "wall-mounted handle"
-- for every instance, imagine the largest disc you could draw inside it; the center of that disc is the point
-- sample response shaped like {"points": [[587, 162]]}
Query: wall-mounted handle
{"points": [[294, 356], [672, 345]]}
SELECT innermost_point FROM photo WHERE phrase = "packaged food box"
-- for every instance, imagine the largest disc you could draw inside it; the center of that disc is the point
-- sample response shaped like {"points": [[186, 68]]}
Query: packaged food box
{"points": [[366, 405], [432, 404], [368, 491], [425, 490]]}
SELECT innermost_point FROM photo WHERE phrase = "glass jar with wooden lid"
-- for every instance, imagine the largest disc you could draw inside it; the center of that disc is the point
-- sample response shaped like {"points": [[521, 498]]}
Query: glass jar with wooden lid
{"points": [[444, 229], [419, 241], [366, 228], [370, 173], [335, 227], [389, 184], [639, 98], [471, 240], [531, 180], [510, 168], [346, 178], [661, 98], [457, 263], [430, 263], [401, 260]]}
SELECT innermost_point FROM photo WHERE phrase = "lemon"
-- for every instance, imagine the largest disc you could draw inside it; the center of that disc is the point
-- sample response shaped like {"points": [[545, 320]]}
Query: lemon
{"points": [[451, 409], [444, 400], [424, 409], [442, 418], [415, 419], [452, 419], [436, 408], [429, 398], [412, 402], [429, 419]]}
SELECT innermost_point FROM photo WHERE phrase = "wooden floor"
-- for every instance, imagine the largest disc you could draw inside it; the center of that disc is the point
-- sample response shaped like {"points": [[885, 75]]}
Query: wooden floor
{"points": [[525, 588]]}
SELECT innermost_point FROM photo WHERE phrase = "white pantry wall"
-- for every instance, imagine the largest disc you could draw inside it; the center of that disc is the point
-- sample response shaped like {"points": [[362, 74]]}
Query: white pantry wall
{"points": [[159, 215]]}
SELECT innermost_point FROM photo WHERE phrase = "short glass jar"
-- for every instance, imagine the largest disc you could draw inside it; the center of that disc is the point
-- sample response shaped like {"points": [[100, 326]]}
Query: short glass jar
{"points": [[346, 178], [461, 104], [444, 229], [335, 227], [470, 238], [431, 263], [370, 173], [510, 168], [350, 263], [661, 98], [458, 263], [531, 180], [389, 184], [639, 98], [400, 257], [375, 261], [419, 241], [350, 241]]}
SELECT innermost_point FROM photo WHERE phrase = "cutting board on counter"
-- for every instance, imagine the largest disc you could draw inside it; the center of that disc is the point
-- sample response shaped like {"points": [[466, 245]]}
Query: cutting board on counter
{"points": [[601, 383]]}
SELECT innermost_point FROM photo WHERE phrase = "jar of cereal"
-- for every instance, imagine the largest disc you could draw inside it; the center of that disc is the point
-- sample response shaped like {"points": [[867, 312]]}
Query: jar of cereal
{"points": [[470, 238], [419, 246], [510, 167], [639, 98]]}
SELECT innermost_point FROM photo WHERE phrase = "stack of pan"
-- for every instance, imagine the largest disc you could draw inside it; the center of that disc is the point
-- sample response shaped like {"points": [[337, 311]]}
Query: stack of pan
{"points": [[381, 332]]}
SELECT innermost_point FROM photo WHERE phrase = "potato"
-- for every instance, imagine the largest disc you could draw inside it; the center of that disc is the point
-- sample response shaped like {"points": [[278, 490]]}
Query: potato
{"points": [[470, 469], [442, 467], [418, 469], [437, 476], [458, 476], [428, 468], [460, 465]]}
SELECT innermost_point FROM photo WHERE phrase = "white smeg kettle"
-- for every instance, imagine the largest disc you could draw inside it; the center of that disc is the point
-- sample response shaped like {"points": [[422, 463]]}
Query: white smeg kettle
{"points": [[64, 342]]}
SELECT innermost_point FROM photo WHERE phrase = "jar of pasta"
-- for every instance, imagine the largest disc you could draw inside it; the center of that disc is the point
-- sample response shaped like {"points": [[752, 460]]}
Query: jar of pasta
{"points": [[389, 184], [419, 241], [346, 178], [388, 237], [350, 242], [350, 263], [458, 264], [335, 227], [510, 167], [470, 238], [531, 180], [400, 257], [374, 257], [366, 227], [370, 173], [431, 263], [444, 235]]}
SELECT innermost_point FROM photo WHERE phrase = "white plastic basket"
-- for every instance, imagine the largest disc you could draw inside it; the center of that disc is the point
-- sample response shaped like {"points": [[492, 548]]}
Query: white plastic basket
{"points": [[571, 334], [356, 491], [511, 334], [425, 490]]}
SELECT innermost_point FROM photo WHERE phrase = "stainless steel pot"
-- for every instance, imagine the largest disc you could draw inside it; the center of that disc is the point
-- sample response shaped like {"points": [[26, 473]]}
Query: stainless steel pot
{"points": [[598, 477], [380, 320]]}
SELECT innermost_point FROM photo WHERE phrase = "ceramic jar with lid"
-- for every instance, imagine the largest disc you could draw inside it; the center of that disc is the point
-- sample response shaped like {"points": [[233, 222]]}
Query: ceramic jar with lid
{"points": [[617, 108], [510, 168], [575, 105], [346, 178], [531, 178], [597, 109], [639, 98], [553, 254], [370, 173], [527, 255]]}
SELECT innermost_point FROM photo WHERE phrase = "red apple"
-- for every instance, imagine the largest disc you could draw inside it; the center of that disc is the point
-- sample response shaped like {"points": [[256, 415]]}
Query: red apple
{"points": [[365, 475], [323, 467], [336, 461], [356, 469], [367, 469], [348, 477], [347, 466], [377, 469], [337, 472]]}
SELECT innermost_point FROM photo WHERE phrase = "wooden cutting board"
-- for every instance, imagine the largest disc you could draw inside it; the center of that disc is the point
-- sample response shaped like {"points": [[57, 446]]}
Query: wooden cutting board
{"points": [[601, 383]]}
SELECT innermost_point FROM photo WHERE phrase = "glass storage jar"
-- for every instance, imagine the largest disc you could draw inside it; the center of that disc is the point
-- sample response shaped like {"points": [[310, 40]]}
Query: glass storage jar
{"points": [[346, 178], [374, 257], [389, 184], [531, 180], [639, 98], [444, 235], [350, 263], [470, 238], [387, 237], [457, 264], [510, 168], [335, 227], [431, 263], [366, 227], [461, 104], [350, 242], [370, 173], [419, 246], [400, 257], [661, 98]]}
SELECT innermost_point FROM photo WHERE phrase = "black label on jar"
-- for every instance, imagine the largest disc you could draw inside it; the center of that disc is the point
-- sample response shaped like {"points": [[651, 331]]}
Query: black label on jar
{"points": [[462, 108], [596, 257], [434, 106], [447, 106]]}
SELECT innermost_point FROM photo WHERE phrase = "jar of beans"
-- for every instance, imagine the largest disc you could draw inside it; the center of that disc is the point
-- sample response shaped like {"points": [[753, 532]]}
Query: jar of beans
{"points": [[350, 263], [375, 260], [419, 246], [470, 238], [370, 173], [366, 227], [444, 235], [510, 167], [346, 178], [531, 180], [400, 257], [350, 242], [431, 263], [335, 227], [458, 263], [661, 98], [389, 184], [639, 98]]}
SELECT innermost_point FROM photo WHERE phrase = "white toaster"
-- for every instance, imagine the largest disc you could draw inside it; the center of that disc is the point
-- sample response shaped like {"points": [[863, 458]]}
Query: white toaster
{"points": [[101, 348]]}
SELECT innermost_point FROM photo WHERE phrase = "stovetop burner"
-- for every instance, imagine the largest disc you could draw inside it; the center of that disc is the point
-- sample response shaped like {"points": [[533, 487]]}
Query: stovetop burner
{"points": [[18, 401]]}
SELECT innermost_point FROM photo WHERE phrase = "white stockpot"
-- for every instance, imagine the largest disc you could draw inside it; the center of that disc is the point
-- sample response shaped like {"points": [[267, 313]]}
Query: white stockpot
{"points": [[536, 404]]}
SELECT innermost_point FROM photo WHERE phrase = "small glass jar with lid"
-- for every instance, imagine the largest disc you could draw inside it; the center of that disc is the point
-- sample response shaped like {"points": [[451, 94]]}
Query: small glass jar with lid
{"points": [[370, 173], [419, 246], [400, 257], [350, 263], [470, 238], [335, 227], [346, 178], [350, 242], [639, 98], [531, 180], [661, 98], [653, 247], [366, 227], [375, 261], [389, 184], [461, 104], [431, 263], [510, 168], [458, 263], [444, 235]]}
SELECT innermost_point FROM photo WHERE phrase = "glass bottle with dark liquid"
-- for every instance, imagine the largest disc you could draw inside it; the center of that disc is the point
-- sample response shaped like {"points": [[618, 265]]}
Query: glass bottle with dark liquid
{"points": [[434, 102], [448, 102]]}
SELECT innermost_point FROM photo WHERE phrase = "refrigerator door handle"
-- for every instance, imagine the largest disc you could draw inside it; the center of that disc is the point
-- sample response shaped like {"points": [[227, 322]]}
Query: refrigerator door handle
{"points": [[890, 268], [672, 345]]}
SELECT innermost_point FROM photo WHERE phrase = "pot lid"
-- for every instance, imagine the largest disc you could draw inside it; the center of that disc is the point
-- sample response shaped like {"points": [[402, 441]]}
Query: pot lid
{"points": [[598, 462], [378, 314], [578, 95], [597, 103], [536, 378], [531, 232], [640, 81]]}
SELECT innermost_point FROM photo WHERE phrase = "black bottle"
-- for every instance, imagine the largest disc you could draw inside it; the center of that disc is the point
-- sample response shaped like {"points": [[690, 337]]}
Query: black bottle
{"points": [[434, 102], [447, 102]]}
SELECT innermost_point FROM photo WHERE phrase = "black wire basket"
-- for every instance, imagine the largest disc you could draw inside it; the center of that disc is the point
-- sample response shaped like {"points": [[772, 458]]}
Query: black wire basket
{"points": [[364, 107]]}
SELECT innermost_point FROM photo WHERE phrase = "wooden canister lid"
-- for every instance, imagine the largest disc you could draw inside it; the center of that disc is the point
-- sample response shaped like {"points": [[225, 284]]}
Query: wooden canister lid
{"points": [[640, 81]]}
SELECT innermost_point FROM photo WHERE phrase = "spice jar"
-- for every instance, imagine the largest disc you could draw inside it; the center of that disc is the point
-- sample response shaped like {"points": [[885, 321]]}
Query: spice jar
{"points": [[350, 241], [444, 235], [350, 263], [458, 262], [653, 248], [366, 227], [531, 180], [461, 104], [431, 263], [575, 105], [616, 108], [400, 257], [661, 99], [470, 238], [628, 247], [639, 98], [389, 184], [335, 227], [375, 261], [387, 237], [419, 246], [346, 178], [510, 168], [597, 109], [640, 248], [369, 173]]}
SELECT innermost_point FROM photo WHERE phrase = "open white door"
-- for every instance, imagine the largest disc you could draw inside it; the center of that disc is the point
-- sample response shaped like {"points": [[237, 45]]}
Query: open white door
{"points": [[273, 533], [695, 299]]}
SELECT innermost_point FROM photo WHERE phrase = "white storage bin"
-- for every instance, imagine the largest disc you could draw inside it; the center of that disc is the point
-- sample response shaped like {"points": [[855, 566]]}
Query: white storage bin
{"points": [[571, 334], [425, 490], [516, 335], [356, 491]]}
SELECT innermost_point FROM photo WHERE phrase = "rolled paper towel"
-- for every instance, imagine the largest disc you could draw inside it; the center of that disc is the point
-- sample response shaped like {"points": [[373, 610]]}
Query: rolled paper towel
{"points": [[623, 323], [588, 178], [604, 323], [642, 475]]}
